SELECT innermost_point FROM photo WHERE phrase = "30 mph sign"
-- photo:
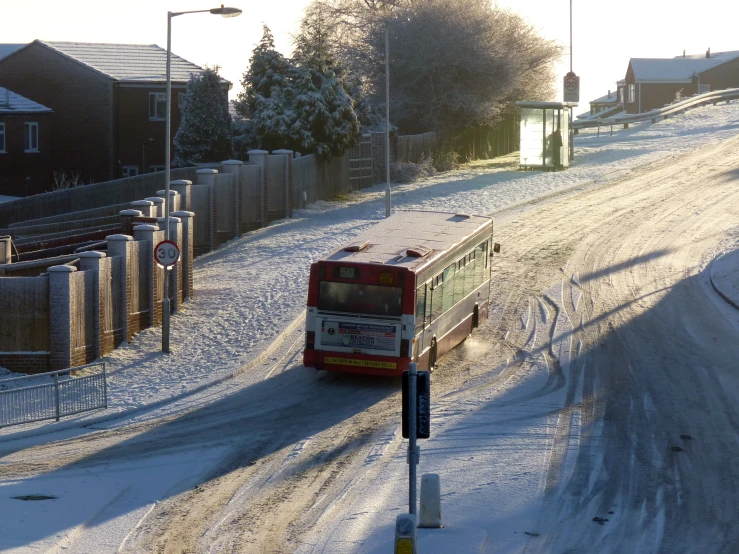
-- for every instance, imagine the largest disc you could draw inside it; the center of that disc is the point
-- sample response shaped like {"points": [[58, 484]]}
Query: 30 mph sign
{"points": [[571, 88], [166, 253]]}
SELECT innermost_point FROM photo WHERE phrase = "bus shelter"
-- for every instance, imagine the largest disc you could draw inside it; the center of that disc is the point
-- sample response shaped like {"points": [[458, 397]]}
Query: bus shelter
{"points": [[545, 135]]}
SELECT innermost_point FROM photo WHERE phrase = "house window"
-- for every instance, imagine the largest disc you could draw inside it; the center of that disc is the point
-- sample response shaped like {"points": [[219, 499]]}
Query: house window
{"points": [[157, 106], [155, 168], [30, 137], [620, 95], [180, 100], [2, 138], [631, 94], [130, 170]]}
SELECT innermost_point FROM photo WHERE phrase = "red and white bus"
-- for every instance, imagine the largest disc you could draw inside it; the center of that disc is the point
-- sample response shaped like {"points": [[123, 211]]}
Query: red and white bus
{"points": [[408, 289]]}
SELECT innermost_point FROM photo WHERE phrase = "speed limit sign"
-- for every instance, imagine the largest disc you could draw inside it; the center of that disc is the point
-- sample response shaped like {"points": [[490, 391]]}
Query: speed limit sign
{"points": [[571, 88], [166, 253]]}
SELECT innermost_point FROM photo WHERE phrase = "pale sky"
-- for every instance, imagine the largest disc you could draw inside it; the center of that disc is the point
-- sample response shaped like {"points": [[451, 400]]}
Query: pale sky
{"points": [[605, 34]]}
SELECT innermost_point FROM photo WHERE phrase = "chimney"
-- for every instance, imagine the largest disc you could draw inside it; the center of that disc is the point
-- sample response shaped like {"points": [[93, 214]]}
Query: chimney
{"points": [[708, 52], [683, 53]]}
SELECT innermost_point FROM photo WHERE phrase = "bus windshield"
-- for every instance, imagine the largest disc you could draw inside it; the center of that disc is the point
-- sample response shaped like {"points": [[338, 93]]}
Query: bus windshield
{"points": [[360, 299]]}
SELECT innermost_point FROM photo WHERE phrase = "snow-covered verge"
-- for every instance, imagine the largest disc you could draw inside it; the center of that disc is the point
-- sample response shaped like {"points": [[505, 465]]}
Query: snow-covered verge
{"points": [[252, 288]]}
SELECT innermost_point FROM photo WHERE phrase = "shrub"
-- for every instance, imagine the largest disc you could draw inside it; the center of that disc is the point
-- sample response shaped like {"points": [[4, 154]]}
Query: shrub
{"points": [[408, 172], [446, 161]]}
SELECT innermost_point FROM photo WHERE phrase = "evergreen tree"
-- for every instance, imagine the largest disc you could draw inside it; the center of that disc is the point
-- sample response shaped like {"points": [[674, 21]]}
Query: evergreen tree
{"points": [[204, 134], [265, 100], [324, 118]]}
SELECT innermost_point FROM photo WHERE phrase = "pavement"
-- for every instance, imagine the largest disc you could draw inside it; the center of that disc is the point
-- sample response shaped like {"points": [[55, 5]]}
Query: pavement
{"points": [[724, 274]]}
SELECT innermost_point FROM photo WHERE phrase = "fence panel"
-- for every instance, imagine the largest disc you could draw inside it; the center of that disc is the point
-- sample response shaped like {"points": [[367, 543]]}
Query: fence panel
{"points": [[251, 197], [412, 148], [200, 196], [360, 164], [223, 195], [89, 197], [275, 187], [305, 180], [60, 393], [24, 314]]}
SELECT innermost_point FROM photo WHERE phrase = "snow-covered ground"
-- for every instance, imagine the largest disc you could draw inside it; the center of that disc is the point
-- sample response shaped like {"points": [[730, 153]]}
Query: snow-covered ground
{"points": [[249, 298]]}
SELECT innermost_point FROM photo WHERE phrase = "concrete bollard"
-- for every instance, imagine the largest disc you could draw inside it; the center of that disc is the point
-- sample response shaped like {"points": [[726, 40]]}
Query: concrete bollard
{"points": [[157, 209], [430, 514], [144, 206], [406, 536]]}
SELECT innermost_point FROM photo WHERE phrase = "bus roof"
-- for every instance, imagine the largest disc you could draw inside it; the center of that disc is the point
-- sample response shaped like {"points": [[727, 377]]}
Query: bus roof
{"points": [[425, 234]]}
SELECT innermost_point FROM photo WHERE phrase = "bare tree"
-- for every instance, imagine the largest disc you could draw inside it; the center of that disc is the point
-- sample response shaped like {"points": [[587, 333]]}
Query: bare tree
{"points": [[453, 63]]}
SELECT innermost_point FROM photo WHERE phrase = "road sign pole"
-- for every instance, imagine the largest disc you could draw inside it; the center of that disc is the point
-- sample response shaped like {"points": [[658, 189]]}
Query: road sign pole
{"points": [[166, 254], [412, 447]]}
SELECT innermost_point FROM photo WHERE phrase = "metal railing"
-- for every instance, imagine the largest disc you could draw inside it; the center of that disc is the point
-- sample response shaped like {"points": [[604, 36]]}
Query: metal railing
{"points": [[656, 114], [84, 388]]}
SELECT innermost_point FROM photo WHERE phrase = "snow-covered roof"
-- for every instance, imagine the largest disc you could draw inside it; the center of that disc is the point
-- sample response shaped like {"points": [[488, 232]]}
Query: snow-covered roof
{"points": [[431, 232], [612, 96], [7, 49], [10, 102], [134, 63], [680, 69], [543, 105]]}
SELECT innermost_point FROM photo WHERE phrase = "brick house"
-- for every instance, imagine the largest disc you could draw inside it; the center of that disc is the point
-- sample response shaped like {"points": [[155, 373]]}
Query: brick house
{"points": [[650, 83], [108, 101], [25, 150]]}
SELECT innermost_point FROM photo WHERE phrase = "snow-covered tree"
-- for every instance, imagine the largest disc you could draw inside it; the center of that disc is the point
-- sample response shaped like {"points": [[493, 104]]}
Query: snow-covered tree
{"points": [[454, 64], [204, 134], [324, 118], [264, 100], [267, 69]]}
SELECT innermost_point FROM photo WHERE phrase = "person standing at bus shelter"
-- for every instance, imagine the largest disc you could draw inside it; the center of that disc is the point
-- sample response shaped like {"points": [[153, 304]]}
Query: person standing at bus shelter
{"points": [[555, 143]]}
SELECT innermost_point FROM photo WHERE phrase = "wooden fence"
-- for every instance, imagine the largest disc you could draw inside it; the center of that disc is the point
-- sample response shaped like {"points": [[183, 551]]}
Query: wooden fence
{"points": [[413, 148]]}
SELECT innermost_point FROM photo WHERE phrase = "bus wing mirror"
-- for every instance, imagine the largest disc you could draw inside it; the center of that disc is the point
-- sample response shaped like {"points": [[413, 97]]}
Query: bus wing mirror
{"points": [[496, 248]]}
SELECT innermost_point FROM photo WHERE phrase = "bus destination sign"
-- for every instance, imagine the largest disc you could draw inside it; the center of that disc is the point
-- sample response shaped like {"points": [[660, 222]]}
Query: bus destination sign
{"points": [[344, 272]]}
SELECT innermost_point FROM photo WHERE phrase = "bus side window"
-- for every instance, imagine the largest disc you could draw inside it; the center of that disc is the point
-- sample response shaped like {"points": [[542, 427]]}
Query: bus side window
{"points": [[437, 297], [448, 287], [469, 275], [420, 308], [480, 264], [459, 280]]}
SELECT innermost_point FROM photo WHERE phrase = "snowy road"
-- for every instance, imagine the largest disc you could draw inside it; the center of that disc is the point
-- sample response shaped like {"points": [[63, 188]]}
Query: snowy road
{"points": [[606, 348]]}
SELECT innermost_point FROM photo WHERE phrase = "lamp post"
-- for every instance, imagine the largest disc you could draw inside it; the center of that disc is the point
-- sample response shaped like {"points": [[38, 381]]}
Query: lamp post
{"points": [[388, 201], [223, 12], [144, 144]]}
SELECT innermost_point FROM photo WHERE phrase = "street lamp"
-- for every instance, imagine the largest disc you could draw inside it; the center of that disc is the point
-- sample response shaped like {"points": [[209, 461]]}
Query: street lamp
{"points": [[388, 202], [144, 144], [223, 12]]}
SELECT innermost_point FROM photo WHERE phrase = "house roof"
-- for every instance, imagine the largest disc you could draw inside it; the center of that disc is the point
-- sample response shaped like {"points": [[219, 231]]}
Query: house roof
{"points": [[680, 69], [612, 96], [131, 63], [7, 49], [12, 103]]}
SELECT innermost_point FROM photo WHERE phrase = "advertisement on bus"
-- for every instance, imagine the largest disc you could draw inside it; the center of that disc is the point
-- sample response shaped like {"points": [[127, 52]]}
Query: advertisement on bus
{"points": [[380, 339]]}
